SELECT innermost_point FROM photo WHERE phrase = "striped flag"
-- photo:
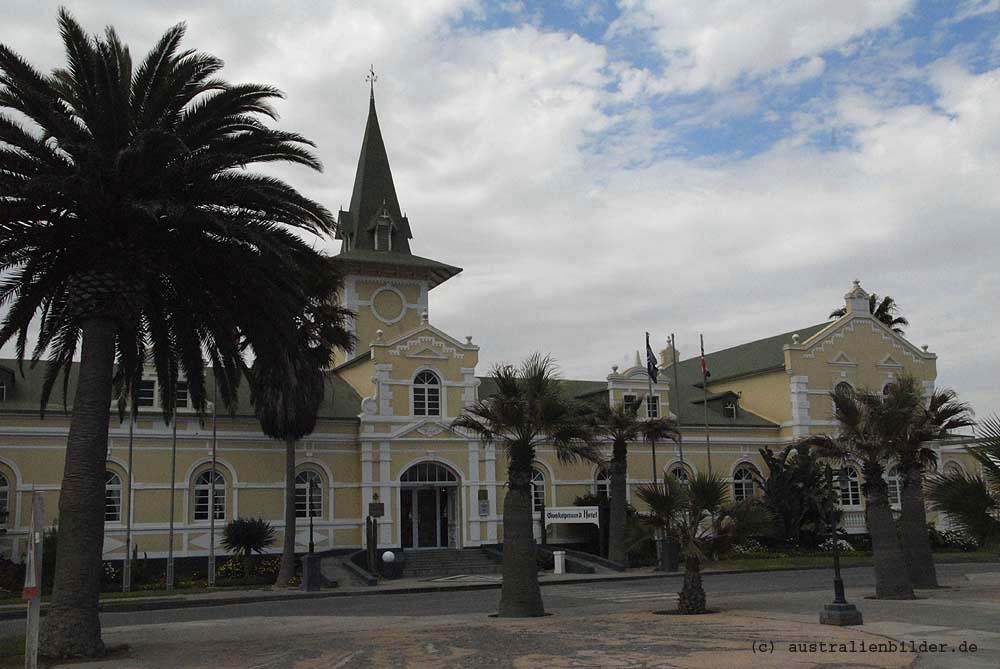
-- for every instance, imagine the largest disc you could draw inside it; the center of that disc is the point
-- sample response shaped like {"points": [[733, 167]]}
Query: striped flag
{"points": [[650, 361], [704, 365]]}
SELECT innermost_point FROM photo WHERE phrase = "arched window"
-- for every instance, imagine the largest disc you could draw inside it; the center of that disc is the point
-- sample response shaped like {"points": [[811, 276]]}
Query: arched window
{"points": [[680, 473], [743, 483], [203, 492], [537, 490], [112, 498], [844, 389], [5, 510], [895, 486], [426, 394], [888, 388], [308, 494], [602, 483], [953, 469], [428, 472], [850, 495]]}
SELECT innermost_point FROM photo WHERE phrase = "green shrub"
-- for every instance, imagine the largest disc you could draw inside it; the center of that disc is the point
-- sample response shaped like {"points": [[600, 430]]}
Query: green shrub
{"points": [[245, 536]]}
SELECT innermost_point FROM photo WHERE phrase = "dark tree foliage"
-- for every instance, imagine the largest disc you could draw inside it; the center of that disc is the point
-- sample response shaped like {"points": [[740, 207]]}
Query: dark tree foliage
{"points": [[794, 490], [886, 311]]}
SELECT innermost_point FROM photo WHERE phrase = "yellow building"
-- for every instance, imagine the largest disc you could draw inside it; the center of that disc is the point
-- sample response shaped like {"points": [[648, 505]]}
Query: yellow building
{"points": [[384, 430]]}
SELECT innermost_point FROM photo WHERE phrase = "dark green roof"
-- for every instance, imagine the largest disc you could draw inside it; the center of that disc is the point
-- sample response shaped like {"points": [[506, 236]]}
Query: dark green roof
{"points": [[374, 194], [340, 400]]}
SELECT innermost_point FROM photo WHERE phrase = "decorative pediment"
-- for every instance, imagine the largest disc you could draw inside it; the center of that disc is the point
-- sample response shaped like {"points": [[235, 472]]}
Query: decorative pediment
{"points": [[889, 361], [428, 430], [842, 359], [426, 346]]}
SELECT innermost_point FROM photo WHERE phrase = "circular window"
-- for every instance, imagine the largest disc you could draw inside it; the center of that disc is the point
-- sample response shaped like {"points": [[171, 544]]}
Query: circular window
{"points": [[388, 305]]}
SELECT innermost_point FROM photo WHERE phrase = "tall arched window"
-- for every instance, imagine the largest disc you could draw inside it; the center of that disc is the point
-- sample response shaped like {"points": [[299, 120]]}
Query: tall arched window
{"points": [[844, 389], [888, 388], [308, 494], [743, 483], [6, 513], [537, 490], [680, 473], [954, 469], [602, 483], [112, 498], [851, 494], [895, 486], [426, 394], [203, 492]]}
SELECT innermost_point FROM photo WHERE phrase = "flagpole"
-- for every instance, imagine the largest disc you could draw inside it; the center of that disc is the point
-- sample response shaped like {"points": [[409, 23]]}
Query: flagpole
{"points": [[652, 442], [704, 388], [677, 394]]}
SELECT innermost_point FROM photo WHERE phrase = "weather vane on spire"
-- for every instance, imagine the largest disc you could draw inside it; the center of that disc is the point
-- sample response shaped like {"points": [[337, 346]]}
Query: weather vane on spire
{"points": [[372, 78]]}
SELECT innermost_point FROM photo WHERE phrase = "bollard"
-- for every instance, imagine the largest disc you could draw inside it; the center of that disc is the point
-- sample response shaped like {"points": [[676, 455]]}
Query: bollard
{"points": [[312, 577], [560, 560]]}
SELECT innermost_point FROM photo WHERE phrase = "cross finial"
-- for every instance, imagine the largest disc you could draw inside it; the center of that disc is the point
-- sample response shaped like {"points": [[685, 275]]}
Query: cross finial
{"points": [[372, 78]]}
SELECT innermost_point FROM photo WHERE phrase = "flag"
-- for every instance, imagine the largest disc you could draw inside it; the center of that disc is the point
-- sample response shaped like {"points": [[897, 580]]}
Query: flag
{"points": [[650, 361], [704, 365]]}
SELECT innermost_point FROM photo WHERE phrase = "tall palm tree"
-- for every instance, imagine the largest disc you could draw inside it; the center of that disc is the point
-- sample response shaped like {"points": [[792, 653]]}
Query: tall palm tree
{"points": [[885, 311], [699, 517], [528, 410], [934, 419], [287, 390], [620, 424], [869, 425], [128, 220], [972, 501]]}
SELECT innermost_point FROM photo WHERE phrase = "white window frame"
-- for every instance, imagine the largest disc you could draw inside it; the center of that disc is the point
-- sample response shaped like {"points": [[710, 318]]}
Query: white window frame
{"points": [[422, 406], [5, 499], [308, 500], [630, 399], [744, 484], [683, 470], [203, 488], [537, 490], [894, 486], [652, 406], [853, 490], [112, 496], [602, 482], [153, 404]]}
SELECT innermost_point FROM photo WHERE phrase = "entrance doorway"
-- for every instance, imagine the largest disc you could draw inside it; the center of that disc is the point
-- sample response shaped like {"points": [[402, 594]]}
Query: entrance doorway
{"points": [[428, 503]]}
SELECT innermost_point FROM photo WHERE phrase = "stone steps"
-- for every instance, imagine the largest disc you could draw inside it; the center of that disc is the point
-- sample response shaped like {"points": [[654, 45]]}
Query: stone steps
{"points": [[448, 562]]}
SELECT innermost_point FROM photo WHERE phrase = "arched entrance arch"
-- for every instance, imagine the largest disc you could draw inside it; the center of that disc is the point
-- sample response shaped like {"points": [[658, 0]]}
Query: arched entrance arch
{"points": [[430, 506]]}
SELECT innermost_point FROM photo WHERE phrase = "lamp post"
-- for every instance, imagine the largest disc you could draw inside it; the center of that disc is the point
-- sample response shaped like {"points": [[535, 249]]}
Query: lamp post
{"points": [[309, 512], [840, 612]]}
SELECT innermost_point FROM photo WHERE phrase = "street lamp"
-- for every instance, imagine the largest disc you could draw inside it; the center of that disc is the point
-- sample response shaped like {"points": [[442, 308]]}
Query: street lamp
{"points": [[840, 612], [309, 512]]}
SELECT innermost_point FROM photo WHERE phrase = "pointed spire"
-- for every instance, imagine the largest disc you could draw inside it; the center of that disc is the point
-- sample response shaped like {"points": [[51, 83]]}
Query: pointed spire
{"points": [[374, 197]]}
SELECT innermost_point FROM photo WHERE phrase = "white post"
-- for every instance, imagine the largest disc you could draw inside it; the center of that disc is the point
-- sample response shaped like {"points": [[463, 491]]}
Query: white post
{"points": [[33, 580]]}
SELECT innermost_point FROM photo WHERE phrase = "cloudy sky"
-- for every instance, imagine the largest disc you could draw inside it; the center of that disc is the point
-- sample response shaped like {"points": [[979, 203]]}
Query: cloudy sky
{"points": [[601, 168]]}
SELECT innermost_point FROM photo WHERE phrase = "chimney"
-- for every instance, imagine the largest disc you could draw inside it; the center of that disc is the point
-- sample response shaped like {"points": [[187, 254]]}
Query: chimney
{"points": [[857, 300]]}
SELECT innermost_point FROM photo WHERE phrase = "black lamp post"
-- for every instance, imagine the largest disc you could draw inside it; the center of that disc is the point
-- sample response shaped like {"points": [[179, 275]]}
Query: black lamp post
{"points": [[309, 512], [839, 612]]}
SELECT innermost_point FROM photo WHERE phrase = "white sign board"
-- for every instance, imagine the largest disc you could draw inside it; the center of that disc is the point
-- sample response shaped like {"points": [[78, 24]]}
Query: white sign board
{"points": [[558, 515]]}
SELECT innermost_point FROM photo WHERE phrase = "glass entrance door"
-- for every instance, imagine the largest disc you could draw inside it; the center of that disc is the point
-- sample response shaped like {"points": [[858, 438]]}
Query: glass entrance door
{"points": [[427, 518]]}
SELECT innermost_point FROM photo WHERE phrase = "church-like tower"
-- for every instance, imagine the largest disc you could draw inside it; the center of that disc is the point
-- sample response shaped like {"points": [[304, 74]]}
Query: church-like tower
{"points": [[384, 283]]}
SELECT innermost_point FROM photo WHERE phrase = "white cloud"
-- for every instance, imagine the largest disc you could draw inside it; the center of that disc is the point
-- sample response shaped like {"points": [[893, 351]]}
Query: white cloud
{"points": [[709, 44], [971, 8]]}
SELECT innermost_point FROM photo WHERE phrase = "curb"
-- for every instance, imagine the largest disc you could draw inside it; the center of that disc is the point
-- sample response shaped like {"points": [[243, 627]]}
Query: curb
{"points": [[168, 604]]}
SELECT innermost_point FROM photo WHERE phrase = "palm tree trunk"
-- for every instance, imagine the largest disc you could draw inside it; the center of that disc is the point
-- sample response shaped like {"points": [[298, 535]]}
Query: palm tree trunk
{"points": [[287, 569], [691, 598], [891, 578], [616, 532], [913, 529], [72, 626], [520, 596]]}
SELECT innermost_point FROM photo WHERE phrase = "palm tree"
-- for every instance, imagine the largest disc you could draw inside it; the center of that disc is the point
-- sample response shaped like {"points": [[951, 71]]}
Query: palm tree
{"points": [[620, 424], [885, 311], [972, 501], [287, 390], [128, 221], [869, 425], [245, 536], [528, 410], [699, 517], [794, 489], [936, 419]]}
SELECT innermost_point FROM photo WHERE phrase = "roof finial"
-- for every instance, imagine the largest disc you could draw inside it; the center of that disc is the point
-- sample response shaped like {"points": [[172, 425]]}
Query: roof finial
{"points": [[371, 79]]}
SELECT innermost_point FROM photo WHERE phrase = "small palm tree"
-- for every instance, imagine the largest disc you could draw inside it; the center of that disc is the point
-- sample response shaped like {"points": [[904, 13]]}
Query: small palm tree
{"points": [[699, 517], [870, 425], [287, 390], [885, 311], [620, 424], [528, 410], [129, 221], [972, 501], [930, 420], [245, 536]]}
